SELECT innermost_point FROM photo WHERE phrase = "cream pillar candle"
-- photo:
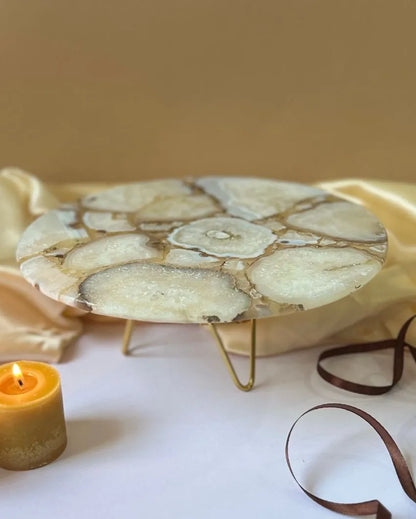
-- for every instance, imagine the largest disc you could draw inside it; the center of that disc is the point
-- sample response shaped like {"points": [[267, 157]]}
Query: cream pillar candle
{"points": [[32, 424]]}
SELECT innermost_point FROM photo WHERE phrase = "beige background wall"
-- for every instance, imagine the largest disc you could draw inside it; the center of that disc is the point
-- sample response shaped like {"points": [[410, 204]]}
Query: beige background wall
{"points": [[296, 89]]}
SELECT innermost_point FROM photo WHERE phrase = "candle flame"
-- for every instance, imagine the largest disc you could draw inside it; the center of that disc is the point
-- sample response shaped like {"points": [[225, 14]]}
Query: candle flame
{"points": [[17, 372], [18, 375]]}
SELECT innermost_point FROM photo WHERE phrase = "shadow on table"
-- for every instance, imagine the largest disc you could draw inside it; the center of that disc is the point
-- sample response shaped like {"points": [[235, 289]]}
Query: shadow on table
{"points": [[8, 474], [91, 434], [106, 334], [148, 339]]}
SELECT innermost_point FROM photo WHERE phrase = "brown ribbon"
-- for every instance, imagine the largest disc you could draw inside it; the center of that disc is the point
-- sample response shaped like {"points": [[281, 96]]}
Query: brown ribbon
{"points": [[398, 345], [366, 507]]}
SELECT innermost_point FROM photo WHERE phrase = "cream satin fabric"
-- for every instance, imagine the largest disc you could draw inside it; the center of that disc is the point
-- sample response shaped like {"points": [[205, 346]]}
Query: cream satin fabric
{"points": [[32, 326], [36, 327]]}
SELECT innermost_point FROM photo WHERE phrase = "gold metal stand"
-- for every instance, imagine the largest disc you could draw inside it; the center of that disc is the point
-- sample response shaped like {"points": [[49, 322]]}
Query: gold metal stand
{"points": [[228, 363], [243, 387], [127, 336]]}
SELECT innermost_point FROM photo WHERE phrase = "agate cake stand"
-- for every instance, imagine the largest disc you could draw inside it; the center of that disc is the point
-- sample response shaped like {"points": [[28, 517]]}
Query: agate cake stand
{"points": [[208, 250]]}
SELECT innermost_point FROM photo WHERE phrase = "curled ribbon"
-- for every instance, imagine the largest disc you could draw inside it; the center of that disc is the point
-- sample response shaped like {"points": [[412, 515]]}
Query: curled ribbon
{"points": [[398, 345], [366, 507]]}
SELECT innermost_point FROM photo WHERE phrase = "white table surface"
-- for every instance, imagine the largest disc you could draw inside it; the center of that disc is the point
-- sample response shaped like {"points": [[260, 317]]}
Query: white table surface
{"points": [[164, 433]]}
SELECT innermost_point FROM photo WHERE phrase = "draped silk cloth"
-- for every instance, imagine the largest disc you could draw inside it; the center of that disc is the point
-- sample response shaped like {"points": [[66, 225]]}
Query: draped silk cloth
{"points": [[33, 326]]}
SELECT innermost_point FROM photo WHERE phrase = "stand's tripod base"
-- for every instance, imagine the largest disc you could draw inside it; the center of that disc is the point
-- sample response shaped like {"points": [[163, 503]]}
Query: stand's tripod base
{"points": [[226, 358]]}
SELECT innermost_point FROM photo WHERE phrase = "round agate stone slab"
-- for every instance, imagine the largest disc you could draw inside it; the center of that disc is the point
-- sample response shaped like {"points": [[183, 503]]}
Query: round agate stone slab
{"points": [[213, 249]]}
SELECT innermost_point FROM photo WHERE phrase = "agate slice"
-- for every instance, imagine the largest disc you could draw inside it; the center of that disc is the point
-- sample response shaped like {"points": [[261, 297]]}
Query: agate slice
{"points": [[326, 273], [340, 220], [253, 198], [111, 250], [224, 237], [213, 249], [150, 290], [107, 222]]}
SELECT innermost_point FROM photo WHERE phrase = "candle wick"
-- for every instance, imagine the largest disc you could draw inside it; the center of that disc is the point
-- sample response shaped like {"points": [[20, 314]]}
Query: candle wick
{"points": [[20, 382]]}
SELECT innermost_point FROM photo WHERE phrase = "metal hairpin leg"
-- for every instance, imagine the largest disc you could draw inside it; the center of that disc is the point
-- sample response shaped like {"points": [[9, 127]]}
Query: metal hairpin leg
{"points": [[244, 387], [226, 358], [127, 336]]}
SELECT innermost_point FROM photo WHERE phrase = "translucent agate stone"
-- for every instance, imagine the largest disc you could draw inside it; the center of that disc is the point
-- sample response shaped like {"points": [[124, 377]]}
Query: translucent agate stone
{"points": [[213, 249]]}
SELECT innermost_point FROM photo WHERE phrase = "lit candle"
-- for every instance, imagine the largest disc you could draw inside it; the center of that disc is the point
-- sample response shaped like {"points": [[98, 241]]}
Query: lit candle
{"points": [[32, 424]]}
